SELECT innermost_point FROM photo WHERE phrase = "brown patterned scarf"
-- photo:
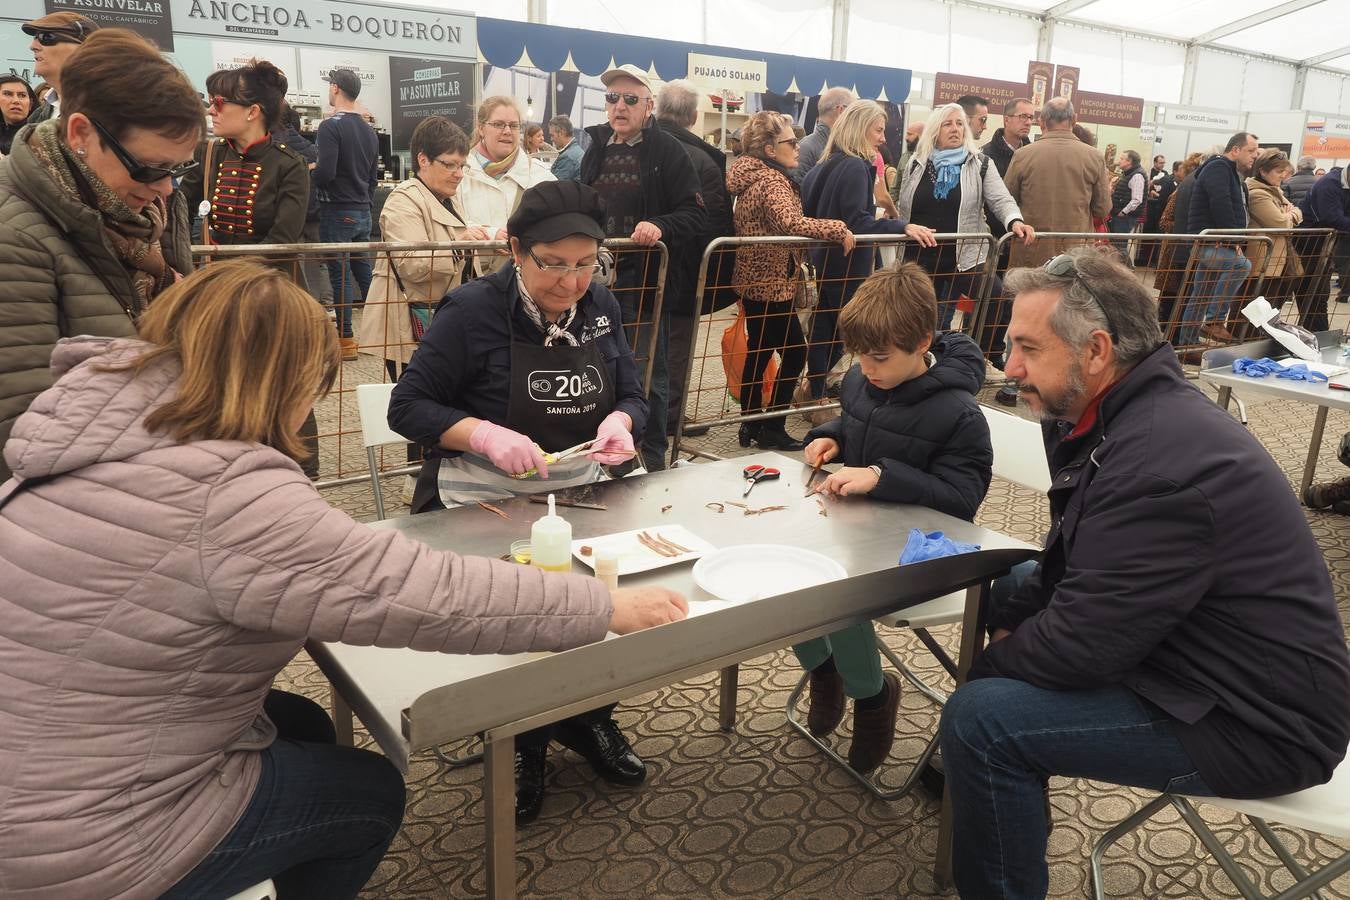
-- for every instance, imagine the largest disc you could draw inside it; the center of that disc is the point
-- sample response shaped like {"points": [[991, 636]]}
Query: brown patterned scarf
{"points": [[132, 236], [500, 167]]}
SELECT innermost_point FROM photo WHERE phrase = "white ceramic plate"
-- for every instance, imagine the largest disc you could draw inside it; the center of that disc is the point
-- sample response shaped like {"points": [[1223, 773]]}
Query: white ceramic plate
{"points": [[753, 571], [634, 556]]}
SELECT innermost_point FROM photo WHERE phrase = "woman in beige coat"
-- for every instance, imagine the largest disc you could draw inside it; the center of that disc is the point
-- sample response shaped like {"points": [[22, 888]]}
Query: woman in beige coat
{"points": [[1268, 207], [423, 208]]}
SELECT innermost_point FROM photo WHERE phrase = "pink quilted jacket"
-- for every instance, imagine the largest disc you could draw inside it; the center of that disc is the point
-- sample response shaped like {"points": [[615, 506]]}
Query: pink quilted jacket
{"points": [[148, 595]]}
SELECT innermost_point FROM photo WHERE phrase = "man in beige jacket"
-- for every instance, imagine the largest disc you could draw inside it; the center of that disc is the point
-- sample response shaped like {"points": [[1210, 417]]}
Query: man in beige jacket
{"points": [[1059, 183]]}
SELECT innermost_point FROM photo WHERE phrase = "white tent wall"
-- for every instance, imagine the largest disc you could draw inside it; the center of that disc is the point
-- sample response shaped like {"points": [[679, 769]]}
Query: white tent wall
{"points": [[1324, 90], [1153, 69], [1279, 128]]}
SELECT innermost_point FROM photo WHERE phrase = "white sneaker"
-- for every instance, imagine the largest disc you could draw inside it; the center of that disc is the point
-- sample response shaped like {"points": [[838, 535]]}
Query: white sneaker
{"points": [[409, 485], [993, 374]]}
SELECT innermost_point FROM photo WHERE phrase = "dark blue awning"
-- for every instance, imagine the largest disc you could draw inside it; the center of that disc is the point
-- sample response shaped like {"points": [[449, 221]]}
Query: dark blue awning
{"points": [[503, 43]]}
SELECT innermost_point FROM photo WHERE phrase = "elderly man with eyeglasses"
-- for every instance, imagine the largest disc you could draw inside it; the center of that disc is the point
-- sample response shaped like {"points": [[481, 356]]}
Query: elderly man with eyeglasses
{"points": [[1161, 641], [55, 38], [651, 193]]}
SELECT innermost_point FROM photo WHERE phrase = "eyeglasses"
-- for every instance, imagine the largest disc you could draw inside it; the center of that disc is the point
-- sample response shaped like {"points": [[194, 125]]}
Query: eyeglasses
{"points": [[217, 103], [1025, 117], [791, 142], [630, 99], [557, 271], [137, 169], [504, 126], [451, 167], [52, 38], [1063, 266]]}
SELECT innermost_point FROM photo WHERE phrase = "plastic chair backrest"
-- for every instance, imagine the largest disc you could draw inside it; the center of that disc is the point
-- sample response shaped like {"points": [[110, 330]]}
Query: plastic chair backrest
{"points": [[372, 404], [1019, 450]]}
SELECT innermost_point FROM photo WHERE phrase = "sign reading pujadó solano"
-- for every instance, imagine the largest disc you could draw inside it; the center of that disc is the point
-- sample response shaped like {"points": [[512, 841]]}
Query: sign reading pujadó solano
{"points": [[332, 23]]}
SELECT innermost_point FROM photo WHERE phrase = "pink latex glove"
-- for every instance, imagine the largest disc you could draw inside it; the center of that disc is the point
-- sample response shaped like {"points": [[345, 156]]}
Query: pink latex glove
{"points": [[613, 440], [510, 451]]}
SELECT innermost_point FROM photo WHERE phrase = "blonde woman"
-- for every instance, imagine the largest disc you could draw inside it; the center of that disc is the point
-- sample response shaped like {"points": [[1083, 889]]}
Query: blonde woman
{"points": [[843, 186], [499, 171], [947, 185]]}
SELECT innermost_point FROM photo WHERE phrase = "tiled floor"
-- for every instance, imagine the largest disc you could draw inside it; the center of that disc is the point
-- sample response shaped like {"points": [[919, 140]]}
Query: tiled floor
{"points": [[758, 813]]}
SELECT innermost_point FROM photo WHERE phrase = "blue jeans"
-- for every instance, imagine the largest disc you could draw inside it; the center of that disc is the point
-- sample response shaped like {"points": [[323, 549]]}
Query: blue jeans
{"points": [[1122, 224], [320, 819], [349, 273], [1218, 273]]}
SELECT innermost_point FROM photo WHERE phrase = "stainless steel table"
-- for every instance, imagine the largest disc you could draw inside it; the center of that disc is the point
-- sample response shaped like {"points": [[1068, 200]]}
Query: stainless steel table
{"points": [[411, 701], [1217, 369]]}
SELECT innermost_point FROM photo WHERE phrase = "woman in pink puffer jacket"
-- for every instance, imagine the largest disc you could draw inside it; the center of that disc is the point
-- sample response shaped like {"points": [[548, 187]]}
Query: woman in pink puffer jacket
{"points": [[162, 557]]}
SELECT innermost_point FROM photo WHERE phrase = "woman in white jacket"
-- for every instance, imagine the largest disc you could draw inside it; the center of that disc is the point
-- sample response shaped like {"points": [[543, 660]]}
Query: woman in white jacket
{"points": [[499, 171], [947, 185]]}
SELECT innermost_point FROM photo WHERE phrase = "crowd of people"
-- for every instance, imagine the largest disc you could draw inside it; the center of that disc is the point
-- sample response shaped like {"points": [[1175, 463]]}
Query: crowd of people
{"points": [[166, 552]]}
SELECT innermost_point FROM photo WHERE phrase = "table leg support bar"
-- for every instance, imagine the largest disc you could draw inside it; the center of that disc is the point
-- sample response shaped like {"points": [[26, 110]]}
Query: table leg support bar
{"points": [[499, 802]]}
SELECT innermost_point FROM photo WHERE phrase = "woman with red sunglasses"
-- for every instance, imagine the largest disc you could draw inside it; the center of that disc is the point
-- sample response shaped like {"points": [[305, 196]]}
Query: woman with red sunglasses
{"points": [[90, 228]]}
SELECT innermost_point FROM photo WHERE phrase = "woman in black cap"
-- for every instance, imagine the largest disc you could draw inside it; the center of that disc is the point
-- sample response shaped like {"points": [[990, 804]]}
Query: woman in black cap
{"points": [[530, 358]]}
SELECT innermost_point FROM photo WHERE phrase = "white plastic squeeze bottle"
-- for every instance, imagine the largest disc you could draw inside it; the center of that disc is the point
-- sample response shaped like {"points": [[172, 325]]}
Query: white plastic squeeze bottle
{"points": [[551, 541]]}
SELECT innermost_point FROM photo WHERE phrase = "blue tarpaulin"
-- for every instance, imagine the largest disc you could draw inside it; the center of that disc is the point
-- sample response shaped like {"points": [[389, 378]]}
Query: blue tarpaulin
{"points": [[502, 43]]}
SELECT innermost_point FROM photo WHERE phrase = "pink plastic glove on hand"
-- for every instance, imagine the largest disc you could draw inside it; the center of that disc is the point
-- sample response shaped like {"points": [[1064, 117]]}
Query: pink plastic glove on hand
{"points": [[510, 451], [613, 440]]}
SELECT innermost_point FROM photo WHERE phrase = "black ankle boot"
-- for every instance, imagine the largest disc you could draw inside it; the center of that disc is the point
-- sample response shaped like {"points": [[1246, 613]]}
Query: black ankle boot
{"points": [[773, 436], [529, 782], [747, 433]]}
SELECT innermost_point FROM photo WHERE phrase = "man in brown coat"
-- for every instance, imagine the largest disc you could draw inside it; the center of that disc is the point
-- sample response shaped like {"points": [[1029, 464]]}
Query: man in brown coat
{"points": [[1059, 183]]}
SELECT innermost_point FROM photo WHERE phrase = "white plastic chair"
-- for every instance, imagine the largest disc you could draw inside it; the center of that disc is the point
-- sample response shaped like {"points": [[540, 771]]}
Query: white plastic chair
{"points": [[1324, 809], [372, 404], [1019, 457], [265, 891]]}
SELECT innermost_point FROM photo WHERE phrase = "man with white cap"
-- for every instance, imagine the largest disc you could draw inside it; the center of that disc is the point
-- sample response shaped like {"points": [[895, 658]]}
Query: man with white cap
{"points": [[651, 193]]}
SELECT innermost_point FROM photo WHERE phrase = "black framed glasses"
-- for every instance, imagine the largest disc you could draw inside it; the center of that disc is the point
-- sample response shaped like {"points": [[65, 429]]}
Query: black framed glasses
{"points": [[559, 271], [138, 170], [630, 99], [791, 142], [52, 38], [451, 167], [1063, 266]]}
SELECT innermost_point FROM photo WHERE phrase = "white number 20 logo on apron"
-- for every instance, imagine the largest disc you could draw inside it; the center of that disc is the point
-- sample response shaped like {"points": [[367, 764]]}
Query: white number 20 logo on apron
{"points": [[562, 385]]}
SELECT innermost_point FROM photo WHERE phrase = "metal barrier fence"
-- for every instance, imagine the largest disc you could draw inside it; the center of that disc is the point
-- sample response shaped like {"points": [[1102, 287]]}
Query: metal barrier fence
{"points": [[1200, 282], [377, 286]]}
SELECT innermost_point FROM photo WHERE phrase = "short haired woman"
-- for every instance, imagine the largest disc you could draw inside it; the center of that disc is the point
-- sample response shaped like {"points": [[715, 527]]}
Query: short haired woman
{"points": [[255, 189], [88, 212], [768, 276], [948, 184], [842, 186], [180, 773], [499, 171], [1268, 207]]}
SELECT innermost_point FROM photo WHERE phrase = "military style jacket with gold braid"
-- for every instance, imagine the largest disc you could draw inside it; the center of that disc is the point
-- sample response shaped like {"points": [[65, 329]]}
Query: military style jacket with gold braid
{"points": [[258, 194]]}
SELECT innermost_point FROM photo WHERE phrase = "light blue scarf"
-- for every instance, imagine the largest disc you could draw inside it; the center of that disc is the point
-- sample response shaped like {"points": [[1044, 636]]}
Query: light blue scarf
{"points": [[948, 164]]}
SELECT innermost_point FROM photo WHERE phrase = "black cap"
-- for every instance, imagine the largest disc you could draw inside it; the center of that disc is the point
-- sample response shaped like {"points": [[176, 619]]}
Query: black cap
{"points": [[557, 209], [346, 80]]}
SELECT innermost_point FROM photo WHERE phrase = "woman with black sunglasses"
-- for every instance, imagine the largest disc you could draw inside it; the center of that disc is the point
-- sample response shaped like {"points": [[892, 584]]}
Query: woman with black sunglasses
{"points": [[90, 227]]}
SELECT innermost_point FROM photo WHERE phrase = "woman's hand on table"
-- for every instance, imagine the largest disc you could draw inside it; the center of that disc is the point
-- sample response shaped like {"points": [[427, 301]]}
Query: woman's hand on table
{"points": [[850, 480], [613, 440], [645, 607], [820, 451], [508, 450]]}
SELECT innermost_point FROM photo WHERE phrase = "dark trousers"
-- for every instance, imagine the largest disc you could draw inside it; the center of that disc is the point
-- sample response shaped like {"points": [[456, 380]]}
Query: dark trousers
{"points": [[636, 306], [771, 328], [321, 817], [539, 737], [681, 328]]}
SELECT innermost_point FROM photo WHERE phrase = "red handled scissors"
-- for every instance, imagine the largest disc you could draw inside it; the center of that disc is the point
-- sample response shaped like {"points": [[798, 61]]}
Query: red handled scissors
{"points": [[756, 474]]}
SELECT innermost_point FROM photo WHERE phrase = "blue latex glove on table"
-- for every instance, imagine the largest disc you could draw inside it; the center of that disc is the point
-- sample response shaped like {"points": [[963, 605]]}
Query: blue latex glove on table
{"points": [[1260, 368], [920, 547]]}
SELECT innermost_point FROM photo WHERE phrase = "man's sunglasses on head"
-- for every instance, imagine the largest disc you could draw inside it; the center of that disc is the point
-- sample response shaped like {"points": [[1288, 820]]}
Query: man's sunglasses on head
{"points": [[135, 168], [630, 99]]}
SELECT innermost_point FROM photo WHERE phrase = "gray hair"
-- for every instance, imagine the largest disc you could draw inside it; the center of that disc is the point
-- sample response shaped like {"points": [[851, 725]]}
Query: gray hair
{"points": [[678, 103], [923, 148], [1102, 282], [1307, 163], [563, 124], [1057, 111], [834, 98]]}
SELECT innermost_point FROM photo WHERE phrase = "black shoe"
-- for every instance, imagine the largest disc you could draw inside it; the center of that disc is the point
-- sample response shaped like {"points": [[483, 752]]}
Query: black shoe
{"points": [[747, 433], [529, 783], [775, 437], [694, 431], [603, 745]]}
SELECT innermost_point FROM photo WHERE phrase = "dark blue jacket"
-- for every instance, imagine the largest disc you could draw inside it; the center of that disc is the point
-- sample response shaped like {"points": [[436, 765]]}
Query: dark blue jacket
{"points": [[843, 187], [463, 365], [1328, 203], [1180, 565], [1218, 198], [309, 152], [349, 159], [927, 435]]}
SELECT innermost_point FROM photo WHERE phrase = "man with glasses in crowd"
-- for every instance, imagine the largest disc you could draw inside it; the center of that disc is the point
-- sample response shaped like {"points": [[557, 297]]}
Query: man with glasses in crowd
{"points": [[345, 176], [1018, 115], [55, 38], [829, 108], [1160, 642], [651, 193]]}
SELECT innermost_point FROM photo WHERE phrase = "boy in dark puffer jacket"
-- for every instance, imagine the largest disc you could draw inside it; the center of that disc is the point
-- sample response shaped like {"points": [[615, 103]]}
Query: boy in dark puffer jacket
{"points": [[911, 432]]}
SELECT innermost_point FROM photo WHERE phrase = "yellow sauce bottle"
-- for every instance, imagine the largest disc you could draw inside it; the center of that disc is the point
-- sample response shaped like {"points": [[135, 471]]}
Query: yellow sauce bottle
{"points": [[551, 541]]}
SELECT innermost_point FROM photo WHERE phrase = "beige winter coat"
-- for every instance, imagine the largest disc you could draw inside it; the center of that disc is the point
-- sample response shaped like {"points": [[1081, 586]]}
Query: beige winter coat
{"points": [[1060, 184], [1267, 207], [412, 214], [489, 202], [150, 592]]}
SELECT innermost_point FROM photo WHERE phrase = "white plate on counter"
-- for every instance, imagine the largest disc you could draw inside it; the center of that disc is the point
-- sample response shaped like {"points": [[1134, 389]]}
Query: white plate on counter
{"points": [[751, 571], [634, 556]]}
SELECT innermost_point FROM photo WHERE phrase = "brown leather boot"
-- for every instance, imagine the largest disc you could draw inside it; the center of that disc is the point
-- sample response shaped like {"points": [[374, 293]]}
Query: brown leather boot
{"points": [[826, 709], [874, 729]]}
